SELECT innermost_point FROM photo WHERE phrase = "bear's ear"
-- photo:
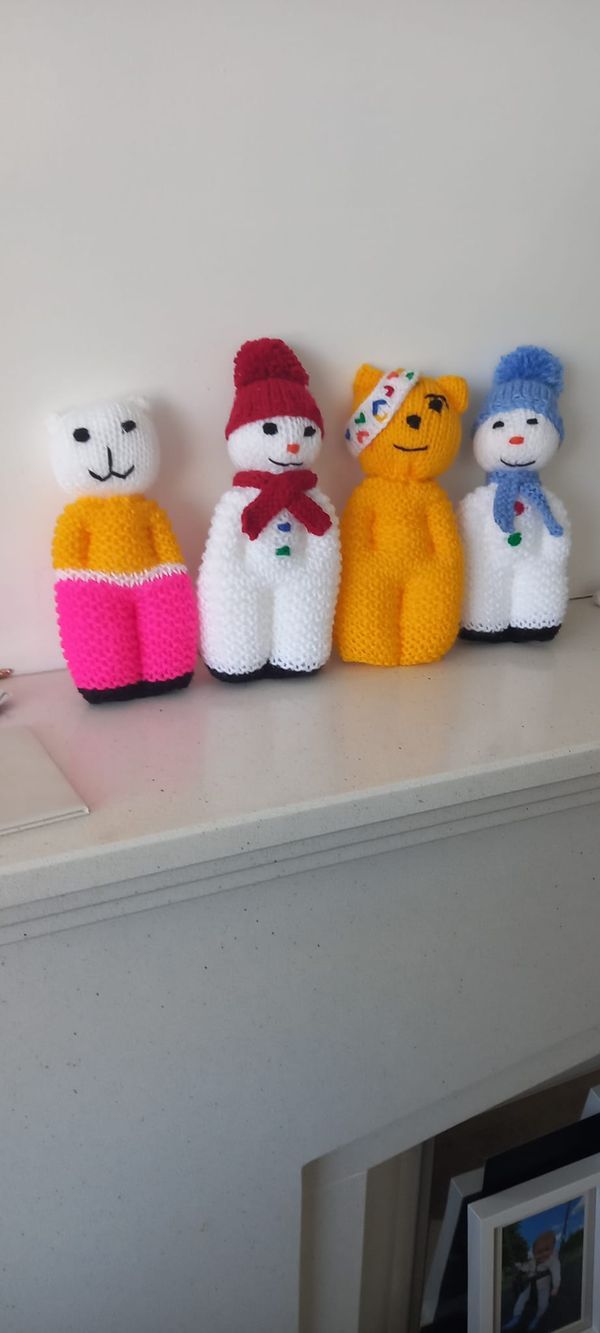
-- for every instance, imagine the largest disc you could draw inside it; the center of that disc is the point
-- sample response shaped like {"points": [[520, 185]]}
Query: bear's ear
{"points": [[140, 401], [457, 390], [364, 381]]}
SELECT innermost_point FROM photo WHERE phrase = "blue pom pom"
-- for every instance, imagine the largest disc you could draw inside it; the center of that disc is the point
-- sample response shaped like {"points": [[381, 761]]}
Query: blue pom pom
{"points": [[530, 363]]}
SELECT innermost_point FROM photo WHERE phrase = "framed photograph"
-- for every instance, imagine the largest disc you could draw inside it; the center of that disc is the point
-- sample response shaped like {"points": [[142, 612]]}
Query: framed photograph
{"points": [[534, 1257], [444, 1302]]}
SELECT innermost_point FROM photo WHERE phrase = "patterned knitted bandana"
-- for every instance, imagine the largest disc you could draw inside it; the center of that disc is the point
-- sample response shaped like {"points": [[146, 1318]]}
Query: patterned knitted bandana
{"points": [[374, 412]]}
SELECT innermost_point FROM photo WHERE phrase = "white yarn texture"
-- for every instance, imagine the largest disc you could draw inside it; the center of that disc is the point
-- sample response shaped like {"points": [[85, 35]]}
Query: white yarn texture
{"points": [[524, 586], [121, 448], [258, 607]]}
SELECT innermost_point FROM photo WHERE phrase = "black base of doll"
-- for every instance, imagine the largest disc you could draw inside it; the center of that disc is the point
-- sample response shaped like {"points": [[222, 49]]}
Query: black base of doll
{"points": [[512, 634], [267, 672], [140, 689], [278, 672], [236, 678]]}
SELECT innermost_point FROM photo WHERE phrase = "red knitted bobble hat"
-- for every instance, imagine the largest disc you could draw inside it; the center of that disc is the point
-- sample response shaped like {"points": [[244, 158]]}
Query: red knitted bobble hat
{"points": [[270, 381]]}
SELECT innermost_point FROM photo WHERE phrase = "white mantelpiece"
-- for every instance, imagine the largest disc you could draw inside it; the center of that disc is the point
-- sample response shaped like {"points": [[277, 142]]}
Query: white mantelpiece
{"points": [[370, 909]]}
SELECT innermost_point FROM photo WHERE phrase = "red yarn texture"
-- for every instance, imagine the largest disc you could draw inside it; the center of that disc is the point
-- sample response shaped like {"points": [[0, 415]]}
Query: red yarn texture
{"points": [[281, 491], [270, 381]]}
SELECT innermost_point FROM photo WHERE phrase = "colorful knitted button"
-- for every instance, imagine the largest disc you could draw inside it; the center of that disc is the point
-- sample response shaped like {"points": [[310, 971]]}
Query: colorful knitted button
{"points": [[283, 550], [284, 527], [519, 507], [515, 539]]}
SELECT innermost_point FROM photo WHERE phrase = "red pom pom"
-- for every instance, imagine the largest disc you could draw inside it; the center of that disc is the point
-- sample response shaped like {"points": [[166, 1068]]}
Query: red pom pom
{"points": [[267, 359]]}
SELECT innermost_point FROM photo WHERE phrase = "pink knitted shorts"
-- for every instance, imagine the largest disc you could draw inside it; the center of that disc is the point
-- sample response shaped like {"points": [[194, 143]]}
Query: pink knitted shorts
{"points": [[114, 635]]}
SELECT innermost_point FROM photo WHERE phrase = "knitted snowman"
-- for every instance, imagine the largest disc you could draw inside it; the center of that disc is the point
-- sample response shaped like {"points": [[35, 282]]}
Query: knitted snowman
{"points": [[516, 534], [269, 575], [124, 599]]}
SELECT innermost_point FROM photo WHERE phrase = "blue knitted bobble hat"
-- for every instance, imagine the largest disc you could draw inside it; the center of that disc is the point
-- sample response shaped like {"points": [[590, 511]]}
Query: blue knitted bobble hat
{"points": [[529, 377]]}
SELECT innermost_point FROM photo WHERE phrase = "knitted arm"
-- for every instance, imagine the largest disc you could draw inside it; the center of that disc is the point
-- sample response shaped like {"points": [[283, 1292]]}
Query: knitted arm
{"points": [[163, 538], [357, 525], [557, 548], [70, 541], [226, 540], [443, 529]]}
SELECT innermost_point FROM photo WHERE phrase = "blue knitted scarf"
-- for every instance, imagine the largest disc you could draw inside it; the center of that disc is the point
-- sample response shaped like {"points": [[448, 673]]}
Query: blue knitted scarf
{"points": [[509, 486]]}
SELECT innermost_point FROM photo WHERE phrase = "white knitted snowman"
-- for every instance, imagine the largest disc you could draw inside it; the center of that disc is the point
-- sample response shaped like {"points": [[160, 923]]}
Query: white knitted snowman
{"points": [[516, 534], [269, 576]]}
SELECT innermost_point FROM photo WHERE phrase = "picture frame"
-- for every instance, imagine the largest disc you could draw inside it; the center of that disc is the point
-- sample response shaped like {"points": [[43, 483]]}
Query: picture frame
{"points": [[525, 1209], [445, 1295], [462, 1188]]}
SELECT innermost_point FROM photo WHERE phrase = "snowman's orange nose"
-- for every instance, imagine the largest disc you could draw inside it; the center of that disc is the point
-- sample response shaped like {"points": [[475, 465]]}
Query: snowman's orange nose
{"points": [[517, 439], [293, 448]]}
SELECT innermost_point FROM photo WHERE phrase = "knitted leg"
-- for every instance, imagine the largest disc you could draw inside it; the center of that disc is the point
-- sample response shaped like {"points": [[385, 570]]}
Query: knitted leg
{"points": [[368, 612], [168, 628], [540, 594], [235, 621], [430, 614], [487, 597], [302, 621], [98, 631]]}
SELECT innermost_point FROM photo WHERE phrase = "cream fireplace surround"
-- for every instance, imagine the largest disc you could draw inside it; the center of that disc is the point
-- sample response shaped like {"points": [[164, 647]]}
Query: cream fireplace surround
{"points": [[306, 927]]}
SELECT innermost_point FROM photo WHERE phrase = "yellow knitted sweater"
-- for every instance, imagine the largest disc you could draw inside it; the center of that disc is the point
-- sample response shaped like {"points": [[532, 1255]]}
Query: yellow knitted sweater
{"points": [[122, 534]]}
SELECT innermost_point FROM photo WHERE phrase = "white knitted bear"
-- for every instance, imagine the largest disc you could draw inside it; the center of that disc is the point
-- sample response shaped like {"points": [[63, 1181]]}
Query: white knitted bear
{"points": [[269, 575], [125, 602], [516, 534]]}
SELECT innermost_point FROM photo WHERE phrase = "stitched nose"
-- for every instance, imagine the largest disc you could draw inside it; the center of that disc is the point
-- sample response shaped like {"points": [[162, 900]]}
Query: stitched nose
{"points": [[517, 439], [293, 449], [414, 421]]}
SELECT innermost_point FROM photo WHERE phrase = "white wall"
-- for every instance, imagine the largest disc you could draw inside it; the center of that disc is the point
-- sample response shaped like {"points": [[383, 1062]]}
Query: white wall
{"points": [[396, 182]]}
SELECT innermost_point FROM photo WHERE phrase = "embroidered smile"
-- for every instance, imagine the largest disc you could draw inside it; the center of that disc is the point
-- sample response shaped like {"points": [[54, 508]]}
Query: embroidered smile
{"points": [[507, 464], [112, 471], [277, 463], [416, 448]]}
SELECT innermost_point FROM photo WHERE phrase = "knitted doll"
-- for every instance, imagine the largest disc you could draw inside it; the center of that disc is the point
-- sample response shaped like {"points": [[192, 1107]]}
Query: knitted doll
{"points": [[516, 535], [402, 561], [269, 576], [125, 602]]}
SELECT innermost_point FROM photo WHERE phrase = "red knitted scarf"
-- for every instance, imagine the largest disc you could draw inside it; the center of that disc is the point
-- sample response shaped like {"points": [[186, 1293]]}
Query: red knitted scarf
{"points": [[279, 491]]}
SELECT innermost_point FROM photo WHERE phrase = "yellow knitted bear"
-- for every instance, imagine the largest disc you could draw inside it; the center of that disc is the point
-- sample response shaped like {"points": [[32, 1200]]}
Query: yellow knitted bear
{"points": [[402, 562]]}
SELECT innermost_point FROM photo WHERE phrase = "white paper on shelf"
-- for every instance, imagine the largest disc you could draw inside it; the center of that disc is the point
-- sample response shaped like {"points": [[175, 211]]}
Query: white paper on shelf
{"points": [[33, 790]]}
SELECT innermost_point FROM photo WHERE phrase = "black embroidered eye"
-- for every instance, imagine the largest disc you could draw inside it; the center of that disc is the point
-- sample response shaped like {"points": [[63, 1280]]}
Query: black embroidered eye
{"points": [[270, 428], [436, 401], [81, 434], [127, 426], [532, 421], [309, 430], [497, 424]]}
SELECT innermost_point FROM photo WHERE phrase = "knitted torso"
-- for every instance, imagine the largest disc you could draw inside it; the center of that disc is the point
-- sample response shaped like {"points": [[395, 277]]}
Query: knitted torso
{"points": [[398, 513], [529, 535], [124, 534], [282, 548], [402, 571]]}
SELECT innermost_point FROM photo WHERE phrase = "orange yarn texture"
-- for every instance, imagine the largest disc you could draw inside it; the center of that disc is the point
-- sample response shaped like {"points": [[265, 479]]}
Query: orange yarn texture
{"points": [[122, 534], [402, 561]]}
